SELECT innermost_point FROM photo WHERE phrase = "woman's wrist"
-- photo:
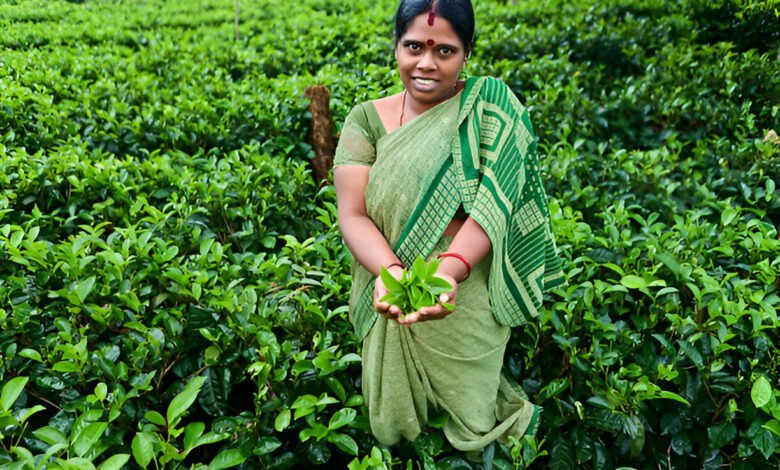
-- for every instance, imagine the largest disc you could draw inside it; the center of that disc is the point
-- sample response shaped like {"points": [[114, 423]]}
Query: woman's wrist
{"points": [[396, 269], [453, 269]]}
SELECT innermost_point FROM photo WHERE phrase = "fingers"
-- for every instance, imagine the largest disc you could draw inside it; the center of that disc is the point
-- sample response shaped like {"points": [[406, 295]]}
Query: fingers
{"points": [[435, 312], [392, 312]]}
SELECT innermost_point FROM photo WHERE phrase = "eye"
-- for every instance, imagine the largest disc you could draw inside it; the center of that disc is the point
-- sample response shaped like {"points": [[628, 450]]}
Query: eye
{"points": [[445, 50], [414, 47]]}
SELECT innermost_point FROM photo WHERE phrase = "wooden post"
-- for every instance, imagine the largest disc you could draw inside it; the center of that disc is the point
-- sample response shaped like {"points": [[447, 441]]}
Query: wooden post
{"points": [[321, 131]]}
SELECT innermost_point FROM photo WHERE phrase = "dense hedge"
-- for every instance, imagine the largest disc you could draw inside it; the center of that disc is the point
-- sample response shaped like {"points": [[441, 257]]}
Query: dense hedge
{"points": [[172, 283]]}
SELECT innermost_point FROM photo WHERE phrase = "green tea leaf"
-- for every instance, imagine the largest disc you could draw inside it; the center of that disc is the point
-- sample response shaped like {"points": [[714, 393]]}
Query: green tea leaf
{"points": [[282, 420], [673, 396], [88, 437], [50, 435], [192, 433], [670, 261], [774, 426], [184, 400], [85, 287], [155, 418], [11, 391], [633, 282], [342, 418], [389, 280], [761, 392], [143, 448], [765, 442], [343, 442], [31, 354], [721, 434], [115, 462], [419, 269], [226, 459], [266, 445]]}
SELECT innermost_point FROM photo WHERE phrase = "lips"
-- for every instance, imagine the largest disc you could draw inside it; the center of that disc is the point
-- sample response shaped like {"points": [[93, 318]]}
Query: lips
{"points": [[424, 84]]}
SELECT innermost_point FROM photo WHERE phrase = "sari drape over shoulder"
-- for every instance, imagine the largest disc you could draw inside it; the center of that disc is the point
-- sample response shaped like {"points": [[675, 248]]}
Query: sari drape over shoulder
{"points": [[475, 151]]}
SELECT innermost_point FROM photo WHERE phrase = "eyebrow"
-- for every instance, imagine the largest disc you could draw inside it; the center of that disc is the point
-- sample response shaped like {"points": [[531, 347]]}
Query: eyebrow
{"points": [[407, 42]]}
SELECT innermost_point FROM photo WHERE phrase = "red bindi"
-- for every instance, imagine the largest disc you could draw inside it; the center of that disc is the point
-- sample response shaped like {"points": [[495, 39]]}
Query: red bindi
{"points": [[430, 42], [431, 17]]}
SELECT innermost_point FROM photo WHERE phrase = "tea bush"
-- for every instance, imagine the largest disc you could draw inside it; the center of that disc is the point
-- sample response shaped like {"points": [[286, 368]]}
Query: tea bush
{"points": [[173, 284]]}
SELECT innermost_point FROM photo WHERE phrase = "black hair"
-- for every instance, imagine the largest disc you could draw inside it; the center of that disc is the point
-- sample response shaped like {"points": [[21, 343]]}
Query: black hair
{"points": [[460, 13]]}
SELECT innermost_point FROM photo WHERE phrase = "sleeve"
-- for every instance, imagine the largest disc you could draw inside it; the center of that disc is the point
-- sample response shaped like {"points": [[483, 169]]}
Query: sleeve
{"points": [[356, 144]]}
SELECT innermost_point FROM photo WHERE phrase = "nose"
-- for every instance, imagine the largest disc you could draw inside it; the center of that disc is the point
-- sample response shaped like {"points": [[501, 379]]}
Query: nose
{"points": [[427, 61]]}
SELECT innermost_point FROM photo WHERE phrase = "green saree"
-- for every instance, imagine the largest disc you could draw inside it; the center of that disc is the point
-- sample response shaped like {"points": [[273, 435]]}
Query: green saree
{"points": [[449, 157]]}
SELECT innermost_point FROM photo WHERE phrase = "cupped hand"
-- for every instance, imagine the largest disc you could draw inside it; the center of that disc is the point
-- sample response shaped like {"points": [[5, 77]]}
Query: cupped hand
{"points": [[380, 290], [434, 312]]}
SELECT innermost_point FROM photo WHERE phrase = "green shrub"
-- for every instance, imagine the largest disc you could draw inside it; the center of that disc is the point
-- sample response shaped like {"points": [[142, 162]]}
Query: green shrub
{"points": [[173, 285]]}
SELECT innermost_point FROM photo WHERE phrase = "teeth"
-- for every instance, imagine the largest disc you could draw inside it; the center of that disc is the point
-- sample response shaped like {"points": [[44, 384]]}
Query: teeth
{"points": [[424, 81]]}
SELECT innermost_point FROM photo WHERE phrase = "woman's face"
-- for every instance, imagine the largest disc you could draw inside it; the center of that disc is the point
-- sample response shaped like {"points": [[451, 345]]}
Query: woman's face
{"points": [[430, 57]]}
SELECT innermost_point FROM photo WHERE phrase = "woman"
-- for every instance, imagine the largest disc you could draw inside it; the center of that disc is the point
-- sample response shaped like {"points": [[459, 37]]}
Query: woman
{"points": [[446, 169]]}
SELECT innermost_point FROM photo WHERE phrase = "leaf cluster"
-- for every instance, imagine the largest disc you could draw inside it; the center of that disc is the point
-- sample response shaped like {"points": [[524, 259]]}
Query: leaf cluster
{"points": [[417, 287]]}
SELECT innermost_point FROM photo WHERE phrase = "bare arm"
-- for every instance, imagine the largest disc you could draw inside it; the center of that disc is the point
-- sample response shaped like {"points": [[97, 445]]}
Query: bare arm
{"points": [[363, 238], [472, 243]]}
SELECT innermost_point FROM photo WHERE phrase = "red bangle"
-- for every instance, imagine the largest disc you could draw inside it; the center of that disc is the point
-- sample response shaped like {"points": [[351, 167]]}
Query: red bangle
{"points": [[395, 264], [460, 257]]}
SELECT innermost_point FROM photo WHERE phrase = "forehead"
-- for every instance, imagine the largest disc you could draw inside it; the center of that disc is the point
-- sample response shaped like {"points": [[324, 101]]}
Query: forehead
{"points": [[441, 31]]}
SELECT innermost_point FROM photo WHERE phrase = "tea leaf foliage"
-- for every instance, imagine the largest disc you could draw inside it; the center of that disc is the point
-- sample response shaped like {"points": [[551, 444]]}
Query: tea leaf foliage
{"points": [[174, 288]]}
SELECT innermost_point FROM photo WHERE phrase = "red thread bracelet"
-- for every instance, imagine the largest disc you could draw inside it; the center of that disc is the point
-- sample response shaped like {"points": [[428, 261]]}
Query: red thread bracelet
{"points": [[461, 258], [395, 264]]}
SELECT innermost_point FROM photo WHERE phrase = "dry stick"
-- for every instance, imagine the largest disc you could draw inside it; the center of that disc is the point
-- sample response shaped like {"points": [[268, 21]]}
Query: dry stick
{"points": [[237, 18], [30, 392]]}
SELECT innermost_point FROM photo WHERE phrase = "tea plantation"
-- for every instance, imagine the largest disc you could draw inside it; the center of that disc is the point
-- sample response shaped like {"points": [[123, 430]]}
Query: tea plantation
{"points": [[173, 283]]}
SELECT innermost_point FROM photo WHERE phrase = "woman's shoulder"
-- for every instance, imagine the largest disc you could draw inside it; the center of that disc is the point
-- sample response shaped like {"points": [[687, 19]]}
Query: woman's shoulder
{"points": [[367, 116]]}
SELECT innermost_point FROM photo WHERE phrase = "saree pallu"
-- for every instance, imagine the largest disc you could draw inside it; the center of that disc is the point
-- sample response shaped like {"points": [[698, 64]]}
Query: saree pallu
{"points": [[454, 155]]}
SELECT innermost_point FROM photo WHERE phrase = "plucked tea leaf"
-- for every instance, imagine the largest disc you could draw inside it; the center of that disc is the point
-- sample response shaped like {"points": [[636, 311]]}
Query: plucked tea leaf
{"points": [[389, 280], [419, 269]]}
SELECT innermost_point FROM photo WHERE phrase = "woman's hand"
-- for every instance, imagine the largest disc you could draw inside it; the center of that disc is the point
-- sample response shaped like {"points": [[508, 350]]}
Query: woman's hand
{"points": [[383, 308], [435, 312]]}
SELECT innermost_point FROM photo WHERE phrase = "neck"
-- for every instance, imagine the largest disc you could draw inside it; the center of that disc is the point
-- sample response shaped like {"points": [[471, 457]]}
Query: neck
{"points": [[414, 108]]}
